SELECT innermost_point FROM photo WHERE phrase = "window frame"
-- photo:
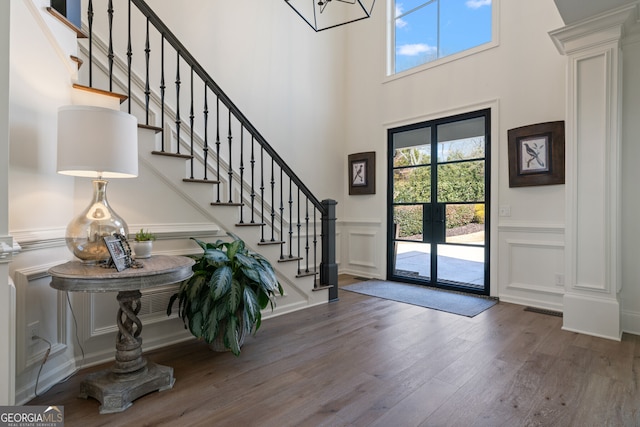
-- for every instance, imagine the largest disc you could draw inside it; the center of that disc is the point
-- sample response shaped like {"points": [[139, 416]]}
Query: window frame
{"points": [[390, 74]]}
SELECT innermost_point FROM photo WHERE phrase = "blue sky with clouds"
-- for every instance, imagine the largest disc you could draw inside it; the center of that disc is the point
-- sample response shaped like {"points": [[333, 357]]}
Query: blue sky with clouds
{"points": [[421, 37]]}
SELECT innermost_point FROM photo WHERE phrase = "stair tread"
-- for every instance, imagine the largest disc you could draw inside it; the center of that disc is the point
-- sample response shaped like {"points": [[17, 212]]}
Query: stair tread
{"points": [[250, 224], [77, 60], [271, 242], [102, 92], [60, 17], [226, 204], [201, 181], [290, 259], [307, 273], [166, 153], [156, 129]]}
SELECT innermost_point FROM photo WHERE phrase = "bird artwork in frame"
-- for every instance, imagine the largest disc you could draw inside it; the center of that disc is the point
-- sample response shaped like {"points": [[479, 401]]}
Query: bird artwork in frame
{"points": [[536, 154], [361, 172]]}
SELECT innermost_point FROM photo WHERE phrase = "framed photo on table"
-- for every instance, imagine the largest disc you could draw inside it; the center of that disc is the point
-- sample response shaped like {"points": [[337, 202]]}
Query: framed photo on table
{"points": [[361, 173], [536, 154], [117, 251]]}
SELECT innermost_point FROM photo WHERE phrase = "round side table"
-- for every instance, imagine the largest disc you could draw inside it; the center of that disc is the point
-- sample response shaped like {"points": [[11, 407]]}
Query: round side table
{"points": [[132, 375]]}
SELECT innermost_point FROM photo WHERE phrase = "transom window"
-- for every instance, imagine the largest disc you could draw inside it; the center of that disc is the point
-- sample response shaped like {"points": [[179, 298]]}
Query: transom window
{"points": [[427, 30]]}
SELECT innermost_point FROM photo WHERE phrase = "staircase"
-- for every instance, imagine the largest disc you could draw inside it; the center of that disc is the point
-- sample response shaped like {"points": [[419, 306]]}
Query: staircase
{"points": [[202, 146]]}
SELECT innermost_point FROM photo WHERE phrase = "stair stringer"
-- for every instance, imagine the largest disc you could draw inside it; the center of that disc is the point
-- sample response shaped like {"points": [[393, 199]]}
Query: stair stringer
{"points": [[299, 292]]}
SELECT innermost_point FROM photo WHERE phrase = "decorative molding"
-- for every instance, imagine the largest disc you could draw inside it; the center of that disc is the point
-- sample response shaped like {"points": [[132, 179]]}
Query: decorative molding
{"points": [[608, 27], [31, 240], [23, 278], [533, 244], [362, 263], [530, 227], [7, 248]]}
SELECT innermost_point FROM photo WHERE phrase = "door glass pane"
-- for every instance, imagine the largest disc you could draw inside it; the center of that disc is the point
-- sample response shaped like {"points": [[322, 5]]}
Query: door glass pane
{"points": [[412, 185], [461, 140], [412, 260], [461, 264], [465, 224], [412, 147], [461, 182], [407, 220]]}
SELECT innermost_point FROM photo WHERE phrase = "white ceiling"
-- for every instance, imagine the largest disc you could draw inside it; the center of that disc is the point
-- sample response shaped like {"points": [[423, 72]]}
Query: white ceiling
{"points": [[575, 10]]}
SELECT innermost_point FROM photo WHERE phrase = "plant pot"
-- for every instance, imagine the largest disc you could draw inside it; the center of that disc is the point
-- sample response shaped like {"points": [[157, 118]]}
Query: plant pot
{"points": [[143, 249]]}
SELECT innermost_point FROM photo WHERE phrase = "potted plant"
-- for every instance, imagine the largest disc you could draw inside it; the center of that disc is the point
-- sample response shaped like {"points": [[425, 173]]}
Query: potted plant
{"points": [[143, 243], [222, 301]]}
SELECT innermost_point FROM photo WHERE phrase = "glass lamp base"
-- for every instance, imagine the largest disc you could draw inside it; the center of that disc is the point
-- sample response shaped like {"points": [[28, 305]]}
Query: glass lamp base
{"points": [[85, 233]]}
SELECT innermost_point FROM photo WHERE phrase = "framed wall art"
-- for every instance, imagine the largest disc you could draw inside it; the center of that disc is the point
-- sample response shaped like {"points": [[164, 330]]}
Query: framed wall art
{"points": [[536, 154], [361, 173]]}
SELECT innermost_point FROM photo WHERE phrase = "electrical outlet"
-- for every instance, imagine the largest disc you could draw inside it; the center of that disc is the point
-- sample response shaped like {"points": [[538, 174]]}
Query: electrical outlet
{"points": [[33, 329]]}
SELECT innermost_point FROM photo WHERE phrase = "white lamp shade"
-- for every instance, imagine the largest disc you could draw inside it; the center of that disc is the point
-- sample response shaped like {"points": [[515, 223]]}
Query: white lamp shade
{"points": [[97, 142]]}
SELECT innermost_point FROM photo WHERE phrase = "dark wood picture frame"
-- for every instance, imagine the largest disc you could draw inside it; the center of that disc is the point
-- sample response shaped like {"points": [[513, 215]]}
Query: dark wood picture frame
{"points": [[118, 253], [536, 154], [362, 173]]}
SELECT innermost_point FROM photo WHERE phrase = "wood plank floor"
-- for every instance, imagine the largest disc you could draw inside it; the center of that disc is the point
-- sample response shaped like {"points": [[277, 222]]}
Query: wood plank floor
{"points": [[364, 361]]}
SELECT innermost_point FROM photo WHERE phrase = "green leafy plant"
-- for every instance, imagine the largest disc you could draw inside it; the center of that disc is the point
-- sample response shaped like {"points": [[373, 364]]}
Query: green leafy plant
{"points": [[224, 297], [143, 236]]}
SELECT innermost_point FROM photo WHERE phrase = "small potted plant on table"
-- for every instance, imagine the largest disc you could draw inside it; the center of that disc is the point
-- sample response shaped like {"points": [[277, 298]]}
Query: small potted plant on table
{"points": [[143, 243], [222, 301]]}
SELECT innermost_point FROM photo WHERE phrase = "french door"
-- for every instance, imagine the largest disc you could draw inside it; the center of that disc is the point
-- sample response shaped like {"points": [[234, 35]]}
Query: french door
{"points": [[438, 231]]}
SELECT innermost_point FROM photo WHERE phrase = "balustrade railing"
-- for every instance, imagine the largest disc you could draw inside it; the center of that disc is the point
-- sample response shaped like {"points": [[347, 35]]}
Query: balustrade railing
{"points": [[269, 193]]}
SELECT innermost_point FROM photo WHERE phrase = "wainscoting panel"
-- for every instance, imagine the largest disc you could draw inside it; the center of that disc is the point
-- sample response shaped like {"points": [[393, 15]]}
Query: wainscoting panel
{"points": [[363, 251], [531, 265]]}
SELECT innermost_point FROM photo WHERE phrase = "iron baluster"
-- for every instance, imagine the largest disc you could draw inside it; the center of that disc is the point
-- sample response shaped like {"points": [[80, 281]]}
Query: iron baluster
{"points": [[241, 173], [230, 167], [162, 92], [110, 54], [147, 87], [253, 191], [262, 194], [205, 149], [273, 212], [90, 24], [129, 55], [191, 121], [178, 84], [281, 212], [298, 225], [218, 148], [290, 219]]}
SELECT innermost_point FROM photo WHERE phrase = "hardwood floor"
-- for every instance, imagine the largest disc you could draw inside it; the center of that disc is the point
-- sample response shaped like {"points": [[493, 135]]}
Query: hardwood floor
{"points": [[364, 361]]}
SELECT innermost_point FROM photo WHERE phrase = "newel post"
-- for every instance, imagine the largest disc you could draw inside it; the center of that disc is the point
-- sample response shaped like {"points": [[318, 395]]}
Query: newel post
{"points": [[328, 266]]}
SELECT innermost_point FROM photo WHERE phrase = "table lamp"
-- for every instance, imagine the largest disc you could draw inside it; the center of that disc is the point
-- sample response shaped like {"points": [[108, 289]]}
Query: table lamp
{"points": [[97, 143]]}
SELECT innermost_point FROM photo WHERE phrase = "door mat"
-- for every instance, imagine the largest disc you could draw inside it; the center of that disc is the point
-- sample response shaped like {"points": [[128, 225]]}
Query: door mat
{"points": [[451, 302]]}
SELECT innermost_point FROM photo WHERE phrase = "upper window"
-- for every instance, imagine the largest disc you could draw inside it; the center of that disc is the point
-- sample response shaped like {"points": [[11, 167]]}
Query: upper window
{"points": [[426, 30]]}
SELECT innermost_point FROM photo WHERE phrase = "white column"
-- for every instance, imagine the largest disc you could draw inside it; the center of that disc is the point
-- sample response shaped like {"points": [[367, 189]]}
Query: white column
{"points": [[7, 290], [594, 94]]}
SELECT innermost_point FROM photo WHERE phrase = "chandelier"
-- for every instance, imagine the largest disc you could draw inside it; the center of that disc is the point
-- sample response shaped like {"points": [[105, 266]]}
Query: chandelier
{"points": [[324, 14]]}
